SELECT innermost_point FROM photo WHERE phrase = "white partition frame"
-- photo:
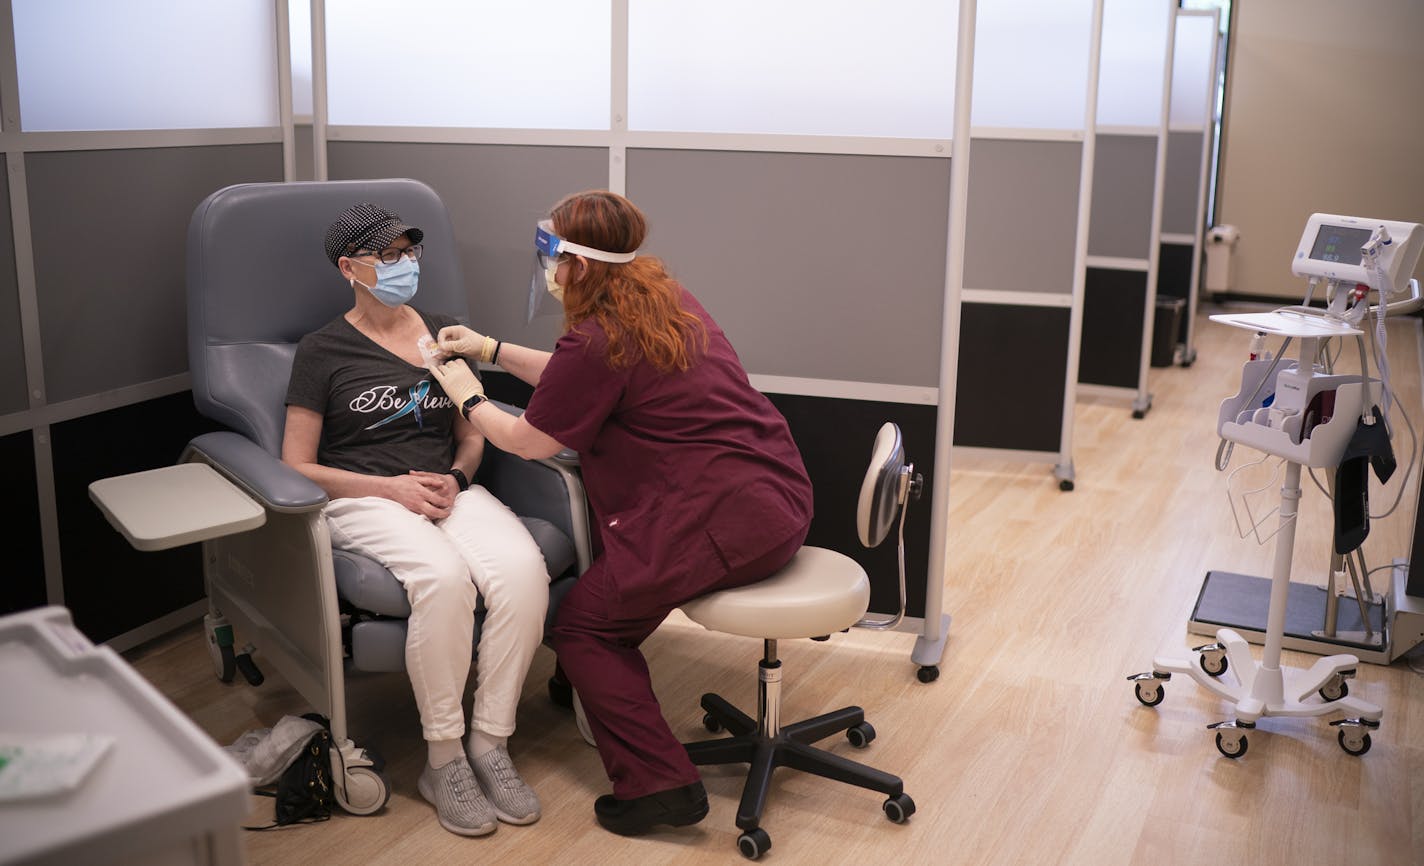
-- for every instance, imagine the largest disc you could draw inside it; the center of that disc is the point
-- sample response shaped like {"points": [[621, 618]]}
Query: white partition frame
{"points": [[41, 415], [1197, 238], [1061, 460], [1140, 397], [618, 139]]}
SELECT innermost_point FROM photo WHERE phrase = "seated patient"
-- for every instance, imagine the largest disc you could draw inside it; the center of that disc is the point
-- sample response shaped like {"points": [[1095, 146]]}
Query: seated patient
{"points": [[366, 422]]}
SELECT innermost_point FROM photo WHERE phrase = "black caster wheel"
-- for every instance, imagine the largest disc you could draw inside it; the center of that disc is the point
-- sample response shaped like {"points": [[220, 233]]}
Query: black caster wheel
{"points": [[249, 669], [1354, 745], [1065, 485], [1232, 751], [561, 693], [710, 722], [821, 637], [753, 843], [899, 808], [1151, 693], [1139, 414], [1213, 669], [861, 735], [927, 673], [1331, 692]]}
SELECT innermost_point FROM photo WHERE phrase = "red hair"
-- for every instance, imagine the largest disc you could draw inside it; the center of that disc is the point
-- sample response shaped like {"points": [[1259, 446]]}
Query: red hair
{"points": [[638, 304]]}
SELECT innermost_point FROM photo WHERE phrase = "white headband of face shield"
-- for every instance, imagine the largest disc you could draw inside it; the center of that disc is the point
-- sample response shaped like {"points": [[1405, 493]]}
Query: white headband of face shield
{"points": [[557, 246]]}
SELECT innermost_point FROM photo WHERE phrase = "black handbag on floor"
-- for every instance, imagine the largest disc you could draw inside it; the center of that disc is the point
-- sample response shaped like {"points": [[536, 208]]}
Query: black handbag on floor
{"points": [[304, 792]]}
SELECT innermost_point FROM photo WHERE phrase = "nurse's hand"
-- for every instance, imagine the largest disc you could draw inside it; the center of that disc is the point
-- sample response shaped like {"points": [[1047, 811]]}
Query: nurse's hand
{"points": [[457, 380], [460, 340]]}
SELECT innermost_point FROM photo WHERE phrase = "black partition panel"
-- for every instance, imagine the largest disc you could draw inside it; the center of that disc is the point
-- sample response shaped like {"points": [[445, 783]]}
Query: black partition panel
{"points": [[835, 436], [110, 587], [1114, 303], [1013, 361], [23, 585]]}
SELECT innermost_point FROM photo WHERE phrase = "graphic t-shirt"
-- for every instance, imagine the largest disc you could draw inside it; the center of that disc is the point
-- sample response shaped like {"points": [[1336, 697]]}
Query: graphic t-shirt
{"points": [[380, 414]]}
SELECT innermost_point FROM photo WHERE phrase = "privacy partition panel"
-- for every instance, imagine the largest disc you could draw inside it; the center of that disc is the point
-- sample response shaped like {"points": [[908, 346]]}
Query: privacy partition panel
{"points": [[1121, 283], [803, 192], [118, 118], [13, 398], [1035, 91], [1189, 146]]}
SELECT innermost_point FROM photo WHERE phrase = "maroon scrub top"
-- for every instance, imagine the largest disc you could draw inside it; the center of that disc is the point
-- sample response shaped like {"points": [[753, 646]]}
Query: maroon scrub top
{"points": [[690, 474]]}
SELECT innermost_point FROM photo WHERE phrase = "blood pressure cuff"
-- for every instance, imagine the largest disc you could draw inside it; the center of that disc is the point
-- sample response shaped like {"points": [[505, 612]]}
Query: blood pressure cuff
{"points": [[1368, 447]]}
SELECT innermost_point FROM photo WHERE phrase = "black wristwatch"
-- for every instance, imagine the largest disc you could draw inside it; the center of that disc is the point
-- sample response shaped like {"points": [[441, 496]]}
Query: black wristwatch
{"points": [[471, 404], [459, 476]]}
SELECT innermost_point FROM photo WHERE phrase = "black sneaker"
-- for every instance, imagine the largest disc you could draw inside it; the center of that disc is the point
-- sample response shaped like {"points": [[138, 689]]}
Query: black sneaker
{"points": [[676, 807]]}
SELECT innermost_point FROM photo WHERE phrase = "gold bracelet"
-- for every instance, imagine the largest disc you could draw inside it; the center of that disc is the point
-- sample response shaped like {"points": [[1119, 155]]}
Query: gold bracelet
{"points": [[487, 350]]}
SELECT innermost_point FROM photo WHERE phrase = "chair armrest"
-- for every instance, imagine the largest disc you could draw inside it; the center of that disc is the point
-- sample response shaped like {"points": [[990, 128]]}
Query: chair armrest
{"points": [[271, 482], [568, 458]]}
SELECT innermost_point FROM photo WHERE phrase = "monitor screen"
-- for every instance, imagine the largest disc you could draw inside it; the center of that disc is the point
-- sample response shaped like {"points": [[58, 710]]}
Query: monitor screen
{"points": [[1339, 244]]}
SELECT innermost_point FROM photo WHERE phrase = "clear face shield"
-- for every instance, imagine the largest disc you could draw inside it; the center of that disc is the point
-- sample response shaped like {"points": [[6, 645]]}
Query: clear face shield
{"points": [[545, 294]]}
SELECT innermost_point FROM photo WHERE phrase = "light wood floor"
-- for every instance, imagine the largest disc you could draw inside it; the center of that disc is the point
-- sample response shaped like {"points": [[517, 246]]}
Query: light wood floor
{"points": [[1030, 748]]}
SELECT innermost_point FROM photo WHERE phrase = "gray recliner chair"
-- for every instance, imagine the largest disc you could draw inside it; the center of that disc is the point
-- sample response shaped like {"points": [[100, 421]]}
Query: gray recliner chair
{"points": [[258, 281]]}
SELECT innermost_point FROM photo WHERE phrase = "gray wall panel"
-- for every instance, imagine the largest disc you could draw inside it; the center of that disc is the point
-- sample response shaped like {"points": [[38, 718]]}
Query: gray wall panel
{"points": [[808, 261], [109, 228], [495, 195], [1022, 190], [13, 397], [1179, 194], [1124, 167]]}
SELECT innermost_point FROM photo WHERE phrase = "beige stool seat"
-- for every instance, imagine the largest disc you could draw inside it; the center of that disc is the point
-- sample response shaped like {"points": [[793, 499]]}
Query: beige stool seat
{"points": [[819, 592]]}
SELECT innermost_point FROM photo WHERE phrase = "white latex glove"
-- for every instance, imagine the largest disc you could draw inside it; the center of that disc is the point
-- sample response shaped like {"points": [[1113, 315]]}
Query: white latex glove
{"points": [[460, 340], [457, 380]]}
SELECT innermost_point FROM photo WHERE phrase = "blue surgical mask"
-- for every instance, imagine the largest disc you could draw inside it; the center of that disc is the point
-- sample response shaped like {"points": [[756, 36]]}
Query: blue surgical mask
{"points": [[395, 284]]}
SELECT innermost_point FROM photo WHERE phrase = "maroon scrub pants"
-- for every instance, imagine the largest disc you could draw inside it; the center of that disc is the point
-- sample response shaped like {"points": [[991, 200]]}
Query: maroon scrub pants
{"points": [[596, 636]]}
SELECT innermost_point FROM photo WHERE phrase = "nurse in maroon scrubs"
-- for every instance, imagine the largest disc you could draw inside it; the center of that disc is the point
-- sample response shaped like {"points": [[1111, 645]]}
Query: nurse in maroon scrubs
{"points": [[690, 471]]}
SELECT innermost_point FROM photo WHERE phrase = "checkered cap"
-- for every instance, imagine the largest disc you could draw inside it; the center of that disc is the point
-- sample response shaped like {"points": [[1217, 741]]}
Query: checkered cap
{"points": [[366, 226]]}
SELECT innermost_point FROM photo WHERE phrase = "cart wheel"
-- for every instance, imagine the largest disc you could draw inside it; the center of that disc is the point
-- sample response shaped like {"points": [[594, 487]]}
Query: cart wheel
{"points": [[224, 662], [365, 791], [753, 843], [710, 722], [899, 808], [220, 648], [1334, 692], [1150, 693], [1065, 485], [1213, 669], [861, 735], [1233, 747], [1354, 745], [927, 673], [1139, 414]]}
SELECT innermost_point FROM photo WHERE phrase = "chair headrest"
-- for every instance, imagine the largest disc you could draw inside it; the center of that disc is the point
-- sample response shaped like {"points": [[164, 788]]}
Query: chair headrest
{"points": [[257, 273]]}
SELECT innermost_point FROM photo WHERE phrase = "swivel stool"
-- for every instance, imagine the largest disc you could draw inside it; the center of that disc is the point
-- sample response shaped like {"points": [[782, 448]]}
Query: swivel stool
{"points": [[820, 592]]}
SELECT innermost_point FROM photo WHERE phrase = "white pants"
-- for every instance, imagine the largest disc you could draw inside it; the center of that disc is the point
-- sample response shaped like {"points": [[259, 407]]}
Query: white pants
{"points": [[481, 549]]}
